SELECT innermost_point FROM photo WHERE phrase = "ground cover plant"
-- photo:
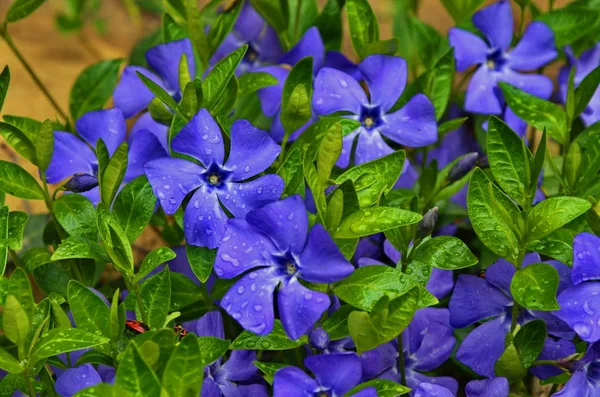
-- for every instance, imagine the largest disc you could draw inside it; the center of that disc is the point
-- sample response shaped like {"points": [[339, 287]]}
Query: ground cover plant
{"points": [[417, 217]]}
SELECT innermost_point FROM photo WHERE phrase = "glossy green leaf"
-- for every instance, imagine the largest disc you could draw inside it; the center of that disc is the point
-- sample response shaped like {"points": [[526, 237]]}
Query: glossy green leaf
{"points": [[77, 215], [9, 363], [183, 375], [201, 260], [15, 322], [374, 220], [443, 252], [4, 226], [93, 87], [162, 95], [156, 298], [461, 10], [530, 340], [20, 288], [228, 98], [115, 240], [44, 147], [211, 349], [196, 30], [590, 162], [329, 152], [223, 25], [17, 182], [277, 339], [134, 206], [297, 94], [254, 81], [383, 387], [273, 11], [534, 287], [155, 258], [4, 84], [18, 141], [585, 91], [89, 310], [569, 23], [451, 125], [135, 376], [216, 81], [113, 174], [364, 28], [556, 249], [554, 213], [336, 325], [329, 23], [509, 365], [62, 340], [20, 9], [79, 247], [269, 369]]}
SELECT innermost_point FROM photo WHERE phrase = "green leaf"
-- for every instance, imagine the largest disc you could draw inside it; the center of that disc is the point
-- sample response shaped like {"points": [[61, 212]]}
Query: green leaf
{"points": [[44, 147], [17, 220], [386, 47], [269, 369], [336, 325], [189, 102], [273, 11], [329, 23], [535, 111], [335, 210], [170, 30], [530, 340], [228, 99], [117, 318], [329, 152], [223, 25], [77, 215], [451, 125], [275, 340], [509, 365], [368, 284], [135, 376], [94, 357], [556, 249], [20, 288], [254, 81], [201, 260], [18, 141], [509, 160], [62, 340], [155, 258], [9, 363], [93, 87], [17, 182], [195, 27], [113, 174], [21, 9], [384, 388], [156, 298], [29, 127], [115, 240], [444, 252], [4, 226], [572, 163], [569, 23], [364, 28], [211, 348], [461, 10], [187, 296], [374, 220], [15, 323], [101, 390], [493, 215], [292, 173], [590, 162], [534, 287], [215, 83], [552, 214], [4, 84], [89, 310], [374, 178], [296, 99], [134, 206], [79, 247], [570, 104], [183, 376], [162, 95], [583, 93]]}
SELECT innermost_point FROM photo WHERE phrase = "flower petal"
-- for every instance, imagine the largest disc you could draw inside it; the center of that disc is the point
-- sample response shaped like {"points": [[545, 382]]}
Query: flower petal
{"points": [[336, 91], [71, 156], [243, 247], [75, 379], [210, 388], [370, 146], [496, 23], [534, 84], [386, 78], [249, 24], [515, 122], [293, 382], [586, 258], [469, 49], [160, 131], [553, 350], [240, 198], [483, 346], [309, 45], [340, 372], [172, 179], [211, 324], [300, 308], [252, 151], [143, 147], [577, 386], [493, 387], [500, 274], [347, 142], [165, 58], [430, 330], [204, 220], [270, 97], [250, 300], [475, 299], [425, 389], [107, 124], [414, 379], [580, 308], [337, 60], [481, 94], [440, 282], [239, 366], [201, 138], [230, 389], [131, 94], [414, 125], [535, 49], [321, 260], [284, 221], [374, 362]]}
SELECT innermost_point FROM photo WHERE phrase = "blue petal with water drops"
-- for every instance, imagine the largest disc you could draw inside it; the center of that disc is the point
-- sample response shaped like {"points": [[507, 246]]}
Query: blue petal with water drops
{"points": [[580, 308]]}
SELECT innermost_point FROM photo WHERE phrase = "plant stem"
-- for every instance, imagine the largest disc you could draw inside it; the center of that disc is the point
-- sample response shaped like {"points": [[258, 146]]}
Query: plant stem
{"points": [[516, 306], [297, 27], [30, 388], [38, 82], [401, 361], [138, 297], [14, 257]]}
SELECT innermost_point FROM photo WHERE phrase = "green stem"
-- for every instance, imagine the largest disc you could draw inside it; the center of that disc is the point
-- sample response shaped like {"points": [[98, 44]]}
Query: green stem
{"points": [[14, 257], [38, 82], [516, 306], [297, 27], [545, 362], [138, 297], [30, 388]]}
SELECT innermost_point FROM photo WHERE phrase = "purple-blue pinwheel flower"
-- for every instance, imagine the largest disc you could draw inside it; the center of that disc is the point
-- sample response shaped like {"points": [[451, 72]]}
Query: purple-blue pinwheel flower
{"points": [[440, 281], [75, 379], [488, 297], [427, 342], [496, 63], [75, 157], [334, 376], [587, 61], [580, 304], [263, 44], [215, 181], [413, 125], [275, 244], [493, 387], [585, 381], [553, 350], [238, 376], [131, 94]]}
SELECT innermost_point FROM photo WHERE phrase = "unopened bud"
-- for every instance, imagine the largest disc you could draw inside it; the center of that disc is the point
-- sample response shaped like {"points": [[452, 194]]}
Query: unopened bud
{"points": [[463, 167], [427, 224], [318, 339], [81, 183]]}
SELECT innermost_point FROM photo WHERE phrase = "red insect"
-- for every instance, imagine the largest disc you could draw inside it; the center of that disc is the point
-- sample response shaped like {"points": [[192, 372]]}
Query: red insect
{"points": [[179, 330], [482, 274], [135, 327]]}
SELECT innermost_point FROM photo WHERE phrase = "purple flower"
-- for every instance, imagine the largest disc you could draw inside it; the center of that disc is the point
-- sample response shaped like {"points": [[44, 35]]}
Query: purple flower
{"points": [[274, 242], [587, 61], [553, 350], [414, 125], [262, 40], [215, 181], [513, 121], [494, 387], [334, 376], [75, 157], [440, 282], [585, 381], [131, 94], [580, 304], [75, 379], [238, 376], [495, 63], [427, 342], [477, 298]]}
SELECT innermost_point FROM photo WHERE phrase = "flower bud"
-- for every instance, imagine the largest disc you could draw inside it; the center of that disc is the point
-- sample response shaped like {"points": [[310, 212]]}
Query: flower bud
{"points": [[81, 183], [462, 167], [318, 338], [427, 224]]}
